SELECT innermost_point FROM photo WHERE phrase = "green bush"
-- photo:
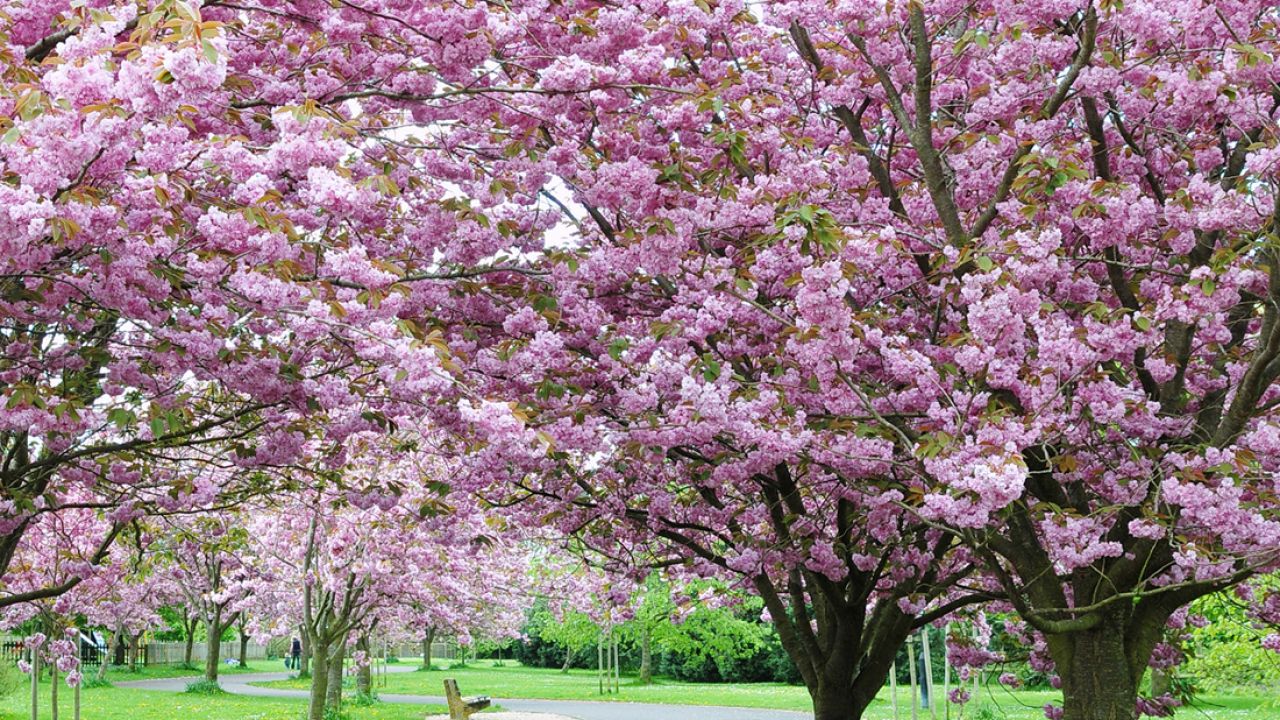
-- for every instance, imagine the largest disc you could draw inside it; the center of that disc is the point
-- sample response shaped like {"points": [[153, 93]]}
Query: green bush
{"points": [[92, 681], [364, 699], [1233, 666], [205, 687], [11, 678]]}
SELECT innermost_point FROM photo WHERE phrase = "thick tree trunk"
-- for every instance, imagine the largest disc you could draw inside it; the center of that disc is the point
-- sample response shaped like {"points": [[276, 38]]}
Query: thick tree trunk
{"points": [[336, 655], [427, 640], [1098, 682], [364, 678], [646, 656], [844, 678], [244, 649], [213, 655], [134, 651], [189, 650], [831, 702], [319, 685], [213, 645]]}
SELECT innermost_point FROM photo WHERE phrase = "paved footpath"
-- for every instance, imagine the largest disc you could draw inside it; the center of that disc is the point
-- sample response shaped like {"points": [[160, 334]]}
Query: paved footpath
{"points": [[580, 709]]}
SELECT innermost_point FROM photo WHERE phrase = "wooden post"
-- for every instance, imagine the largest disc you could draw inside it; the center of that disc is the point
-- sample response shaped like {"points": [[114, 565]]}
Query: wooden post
{"points": [[599, 662], [893, 688], [35, 684], [911, 673], [617, 668], [946, 672], [76, 694], [977, 672], [929, 704]]}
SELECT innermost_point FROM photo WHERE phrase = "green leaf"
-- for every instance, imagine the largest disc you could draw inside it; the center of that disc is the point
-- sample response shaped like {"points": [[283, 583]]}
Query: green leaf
{"points": [[984, 263], [617, 347], [710, 368], [121, 417], [210, 52]]}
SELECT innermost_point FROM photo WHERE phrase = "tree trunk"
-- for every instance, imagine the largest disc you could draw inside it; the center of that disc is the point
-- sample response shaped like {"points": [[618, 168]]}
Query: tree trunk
{"points": [[213, 652], [427, 640], [1097, 683], [568, 660], [244, 649], [189, 650], [319, 685], [832, 702], [336, 655], [364, 680], [646, 656], [304, 662], [105, 657], [135, 650]]}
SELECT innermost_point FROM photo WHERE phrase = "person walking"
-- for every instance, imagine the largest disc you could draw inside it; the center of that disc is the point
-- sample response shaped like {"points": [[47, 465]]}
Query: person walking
{"points": [[295, 654]]}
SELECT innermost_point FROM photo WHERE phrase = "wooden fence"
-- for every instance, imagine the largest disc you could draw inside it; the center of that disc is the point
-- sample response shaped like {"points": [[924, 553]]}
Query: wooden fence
{"points": [[163, 653]]}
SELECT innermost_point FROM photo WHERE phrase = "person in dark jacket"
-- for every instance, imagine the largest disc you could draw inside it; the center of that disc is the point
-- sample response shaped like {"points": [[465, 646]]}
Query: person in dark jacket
{"points": [[295, 655]]}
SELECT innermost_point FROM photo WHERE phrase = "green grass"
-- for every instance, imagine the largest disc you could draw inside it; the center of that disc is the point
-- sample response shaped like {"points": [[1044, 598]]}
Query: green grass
{"points": [[129, 704], [515, 681], [512, 680], [153, 672]]}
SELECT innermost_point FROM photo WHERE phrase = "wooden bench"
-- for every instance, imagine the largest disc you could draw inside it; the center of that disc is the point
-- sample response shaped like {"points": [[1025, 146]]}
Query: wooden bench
{"points": [[461, 708]]}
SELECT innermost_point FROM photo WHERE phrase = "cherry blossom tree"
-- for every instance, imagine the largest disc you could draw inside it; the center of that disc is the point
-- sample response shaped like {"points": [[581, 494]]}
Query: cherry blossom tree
{"points": [[203, 557], [863, 300], [188, 231], [879, 309]]}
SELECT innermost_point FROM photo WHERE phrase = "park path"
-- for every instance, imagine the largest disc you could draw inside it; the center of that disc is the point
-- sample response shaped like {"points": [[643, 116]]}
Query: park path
{"points": [[579, 709]]}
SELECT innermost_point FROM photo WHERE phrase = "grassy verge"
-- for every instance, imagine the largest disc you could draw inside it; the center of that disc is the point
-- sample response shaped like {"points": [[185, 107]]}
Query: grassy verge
{"points": [[129, 704], [514, 681]]}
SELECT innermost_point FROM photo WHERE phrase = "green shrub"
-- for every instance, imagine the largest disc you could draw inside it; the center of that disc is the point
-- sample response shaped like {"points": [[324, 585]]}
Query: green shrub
{"points": [[364, 699], [11, 678], [93, 681], [205, 687], [1233, 666]]}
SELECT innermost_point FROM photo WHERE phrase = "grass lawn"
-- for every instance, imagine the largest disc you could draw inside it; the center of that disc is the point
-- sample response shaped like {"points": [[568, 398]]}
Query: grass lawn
{"points": [[515, 681], [122, 673], [127, 704]]}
